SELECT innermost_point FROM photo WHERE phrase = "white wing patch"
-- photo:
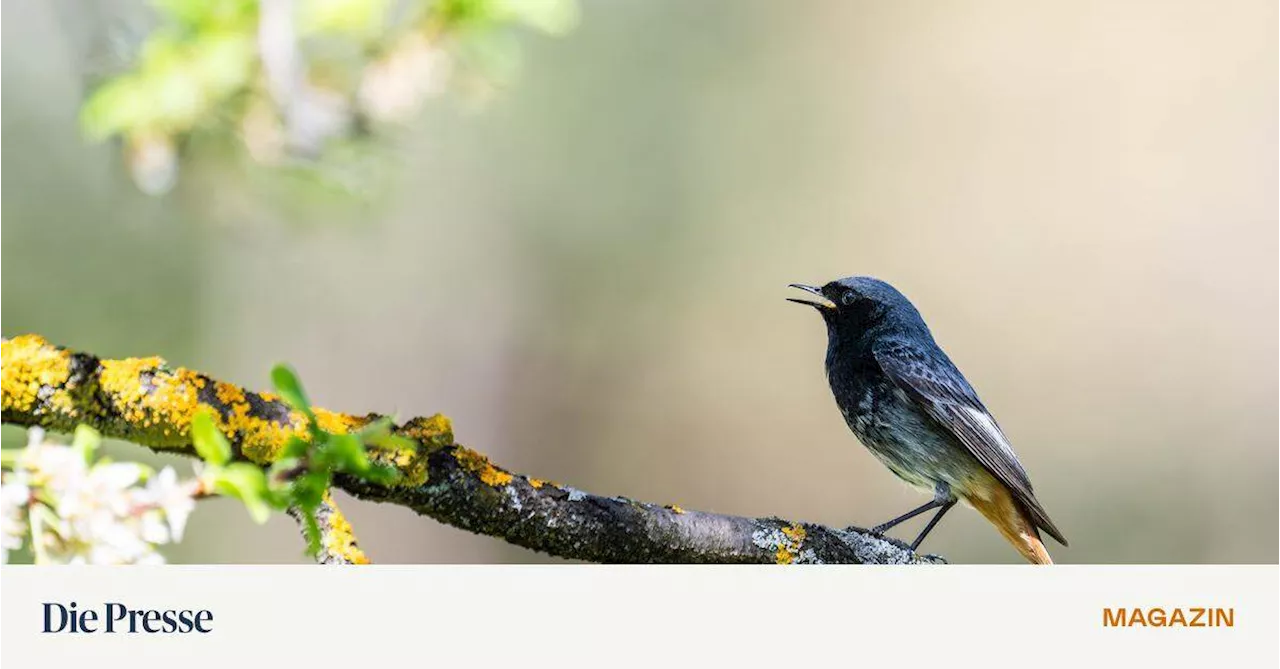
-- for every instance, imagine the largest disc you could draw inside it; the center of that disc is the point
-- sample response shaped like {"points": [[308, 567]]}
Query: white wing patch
{"points": [[982, 420]]}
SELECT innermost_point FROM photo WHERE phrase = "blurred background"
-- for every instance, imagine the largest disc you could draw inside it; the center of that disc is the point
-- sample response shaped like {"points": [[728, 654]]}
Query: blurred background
{"points": [[585, 266]]}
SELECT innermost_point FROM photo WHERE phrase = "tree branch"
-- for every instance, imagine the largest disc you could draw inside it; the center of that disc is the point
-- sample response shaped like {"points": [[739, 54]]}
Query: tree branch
{"points": [[145, 401], [337, 541]]}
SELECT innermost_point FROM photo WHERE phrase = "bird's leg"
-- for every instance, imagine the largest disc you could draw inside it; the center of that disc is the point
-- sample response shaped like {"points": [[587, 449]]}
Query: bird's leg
{"points": [[880, 529], [946, 506], [942, 497]]}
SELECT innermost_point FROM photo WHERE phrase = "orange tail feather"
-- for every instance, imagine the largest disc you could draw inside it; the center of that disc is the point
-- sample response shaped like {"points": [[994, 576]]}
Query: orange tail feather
{"points": [[1013, 522]]}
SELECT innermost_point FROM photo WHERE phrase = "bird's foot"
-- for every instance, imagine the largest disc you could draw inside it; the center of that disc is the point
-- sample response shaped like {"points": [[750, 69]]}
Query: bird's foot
{"points": [[879, 530]]}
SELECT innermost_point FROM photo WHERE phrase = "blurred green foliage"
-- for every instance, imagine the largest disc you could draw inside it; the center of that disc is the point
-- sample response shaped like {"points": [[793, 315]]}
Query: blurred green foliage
{"points": [[292, 78]]}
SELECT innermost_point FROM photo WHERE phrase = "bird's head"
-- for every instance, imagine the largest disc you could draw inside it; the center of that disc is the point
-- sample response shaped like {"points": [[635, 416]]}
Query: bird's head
{"points": [[857, 302]]}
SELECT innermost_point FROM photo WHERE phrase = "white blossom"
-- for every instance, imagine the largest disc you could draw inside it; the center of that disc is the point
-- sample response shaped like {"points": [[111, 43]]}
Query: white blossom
{"points": [[106, 488], [14, 497], [173, 498], [154, 529], [55, 467], [90, 514], [394, 88]]}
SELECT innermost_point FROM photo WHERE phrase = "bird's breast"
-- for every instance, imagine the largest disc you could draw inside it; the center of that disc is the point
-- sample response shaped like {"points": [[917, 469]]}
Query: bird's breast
{"points": [[898, 433], [882, 416]]}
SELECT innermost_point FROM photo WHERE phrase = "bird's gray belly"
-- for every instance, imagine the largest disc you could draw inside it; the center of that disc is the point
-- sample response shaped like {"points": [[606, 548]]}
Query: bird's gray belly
{"points": [[906, 440]]}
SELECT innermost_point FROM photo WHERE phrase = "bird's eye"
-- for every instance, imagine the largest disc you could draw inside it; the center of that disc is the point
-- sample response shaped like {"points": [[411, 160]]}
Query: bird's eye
{"points": [[848, 298]]}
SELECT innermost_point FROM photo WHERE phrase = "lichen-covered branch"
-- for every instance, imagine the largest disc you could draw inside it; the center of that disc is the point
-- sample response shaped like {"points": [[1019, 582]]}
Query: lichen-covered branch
{"points": [[145, 401], [337, 541]]}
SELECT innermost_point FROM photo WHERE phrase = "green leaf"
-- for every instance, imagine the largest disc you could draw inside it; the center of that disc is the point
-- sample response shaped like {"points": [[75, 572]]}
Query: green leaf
{"points": [[455, 13], [380, 474], [86, 442], [378, 435], [312, 526], [287, 384], [344, 452], [114, 107], [308, 489], [247, 483], [378, 427], [210, 444], [221, 62], [279, 467], [391, 442], [295, 447]]}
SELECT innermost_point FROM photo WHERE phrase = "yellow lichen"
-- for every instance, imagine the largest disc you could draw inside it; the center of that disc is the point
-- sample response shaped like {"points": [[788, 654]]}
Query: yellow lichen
{"points": [[29, 364], [676, 509], [228, 394], [339, 539], [260, 440], [150, 396], [157, 404], [411, 464], [434, 432], [337, 423], [480, 465], [790, 548], [60, 402], [536, 483], [428, 434]]}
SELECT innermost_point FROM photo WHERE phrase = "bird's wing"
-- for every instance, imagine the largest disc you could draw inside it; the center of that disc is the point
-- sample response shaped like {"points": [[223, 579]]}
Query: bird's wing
{"points": [[931, 381]]}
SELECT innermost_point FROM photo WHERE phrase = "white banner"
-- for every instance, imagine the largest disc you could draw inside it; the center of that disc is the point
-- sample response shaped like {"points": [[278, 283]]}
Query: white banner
{"points": [[605, 616]]}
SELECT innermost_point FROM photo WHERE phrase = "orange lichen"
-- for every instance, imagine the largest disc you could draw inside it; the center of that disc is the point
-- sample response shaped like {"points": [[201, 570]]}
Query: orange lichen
{"points": [[536, 483], [29, 365], [480, 465]]}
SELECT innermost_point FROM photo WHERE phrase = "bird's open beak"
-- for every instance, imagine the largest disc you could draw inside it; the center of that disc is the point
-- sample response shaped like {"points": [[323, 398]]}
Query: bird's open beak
{"points": [[823, 305]]}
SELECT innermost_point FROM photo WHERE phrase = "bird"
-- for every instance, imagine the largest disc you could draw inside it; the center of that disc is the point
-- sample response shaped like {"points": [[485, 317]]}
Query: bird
{"points": [[912, 408]]}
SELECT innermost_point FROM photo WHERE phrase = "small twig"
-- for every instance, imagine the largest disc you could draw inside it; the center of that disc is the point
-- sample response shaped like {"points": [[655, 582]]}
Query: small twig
{"points": [[337, 541]]}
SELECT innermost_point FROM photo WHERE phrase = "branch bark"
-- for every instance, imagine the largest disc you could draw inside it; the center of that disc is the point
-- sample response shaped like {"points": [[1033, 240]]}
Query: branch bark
{"points": [[338, 543], [145, 401]]}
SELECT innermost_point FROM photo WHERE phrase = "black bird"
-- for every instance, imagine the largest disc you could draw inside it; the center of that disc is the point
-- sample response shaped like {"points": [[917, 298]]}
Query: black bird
{"points": [[906, 401]]}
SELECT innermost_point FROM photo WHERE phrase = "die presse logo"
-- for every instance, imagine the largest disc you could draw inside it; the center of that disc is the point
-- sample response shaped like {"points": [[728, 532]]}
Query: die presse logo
{"points": [[117, 618]]}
